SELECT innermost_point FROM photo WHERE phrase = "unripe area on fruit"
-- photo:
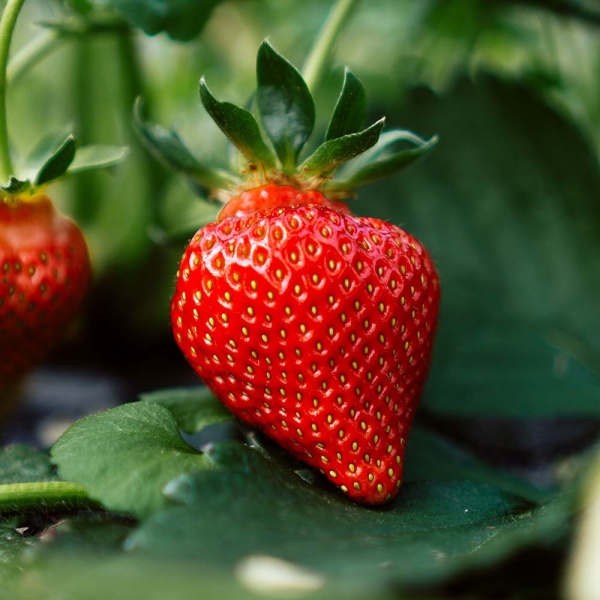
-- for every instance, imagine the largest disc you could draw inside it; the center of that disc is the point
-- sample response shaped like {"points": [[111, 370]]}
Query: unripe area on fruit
{"points": [[44, 275], [316, 327]]}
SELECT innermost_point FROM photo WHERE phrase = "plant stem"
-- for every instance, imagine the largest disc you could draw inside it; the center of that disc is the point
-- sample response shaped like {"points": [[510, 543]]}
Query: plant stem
{"points": [[44, 494], [7, 27], [30, 54], [319, 56]]}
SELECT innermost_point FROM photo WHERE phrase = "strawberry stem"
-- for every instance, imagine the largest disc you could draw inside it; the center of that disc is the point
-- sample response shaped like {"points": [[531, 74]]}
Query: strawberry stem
{"points": [[7, 27], [318, 58], [47, 495], [39, 48]]}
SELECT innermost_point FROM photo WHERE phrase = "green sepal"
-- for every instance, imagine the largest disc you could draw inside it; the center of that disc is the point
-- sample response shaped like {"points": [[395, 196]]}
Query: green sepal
{"points": [[97, 156], [57, 155], [15, 186], [58, 162], [383, 160], [168, 147], [285, 105], [350, 110], [239, 126], [331, 154], [45, 148]]}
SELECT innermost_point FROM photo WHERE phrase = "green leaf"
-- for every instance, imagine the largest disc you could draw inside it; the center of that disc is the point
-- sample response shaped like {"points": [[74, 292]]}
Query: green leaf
{"points": [[536, 365], [13, 545], [57, 155], [285, 105], [244, 504], [282, 516], [96, 156], [192, 408], [44, 149], [239, 126], [432, 457], [125, 577], [181, 19], [124, 456], [58, 163], [93, 533], [168, 147], [384, 160], [509, 211], [331, 154], [351, 109], [24, 464]]}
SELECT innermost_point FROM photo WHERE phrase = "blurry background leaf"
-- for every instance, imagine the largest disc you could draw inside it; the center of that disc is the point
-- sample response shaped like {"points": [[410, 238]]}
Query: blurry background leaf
{"points": [[508, 207], [22, 464], [96, 156], [181, 19]]}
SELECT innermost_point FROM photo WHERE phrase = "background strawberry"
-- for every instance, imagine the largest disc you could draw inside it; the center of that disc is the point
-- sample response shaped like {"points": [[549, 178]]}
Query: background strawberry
{"points": [[307, 322], [44, 274], [44, 263]]}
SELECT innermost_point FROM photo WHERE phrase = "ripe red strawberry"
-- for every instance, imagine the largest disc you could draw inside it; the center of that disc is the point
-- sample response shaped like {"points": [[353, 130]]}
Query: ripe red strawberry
{"points": [[44, 264], [309, 323], [314, 326], [44, 274]]}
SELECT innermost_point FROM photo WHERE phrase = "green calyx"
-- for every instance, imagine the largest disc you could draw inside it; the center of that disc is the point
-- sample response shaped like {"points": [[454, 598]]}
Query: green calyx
{"points": [[56, 157], [273, 143]]}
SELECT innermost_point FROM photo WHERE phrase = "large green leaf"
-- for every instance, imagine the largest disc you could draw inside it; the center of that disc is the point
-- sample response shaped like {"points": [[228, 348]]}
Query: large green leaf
{"points": [[509, 367], [508, 205], [432, 457], [286, 107], [256, 507], [239, 507], [124, 456], [193, 408]]}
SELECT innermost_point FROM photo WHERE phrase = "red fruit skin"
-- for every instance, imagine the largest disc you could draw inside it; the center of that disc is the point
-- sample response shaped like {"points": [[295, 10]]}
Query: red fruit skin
{"points": [[44, 275], [315, 327]]}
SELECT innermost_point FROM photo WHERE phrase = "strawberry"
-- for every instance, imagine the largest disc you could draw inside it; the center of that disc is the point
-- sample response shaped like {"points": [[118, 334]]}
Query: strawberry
{"points": [[44, 263], [309, 323], [44, 274]]}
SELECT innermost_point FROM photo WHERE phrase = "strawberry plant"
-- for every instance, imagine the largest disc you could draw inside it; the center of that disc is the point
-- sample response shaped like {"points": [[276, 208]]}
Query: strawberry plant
{"points": [[190, 491], [44, 262], [307, 322]]}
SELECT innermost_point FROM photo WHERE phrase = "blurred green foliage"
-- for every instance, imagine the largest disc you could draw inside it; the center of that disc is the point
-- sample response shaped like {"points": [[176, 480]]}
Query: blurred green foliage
{"points": [[102, 60]]}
